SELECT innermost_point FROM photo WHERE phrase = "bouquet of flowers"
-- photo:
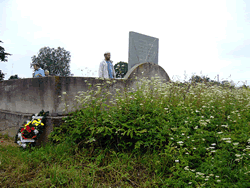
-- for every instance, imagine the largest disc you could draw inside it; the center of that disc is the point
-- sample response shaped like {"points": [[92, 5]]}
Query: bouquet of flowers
{"points": [[31, 130]]}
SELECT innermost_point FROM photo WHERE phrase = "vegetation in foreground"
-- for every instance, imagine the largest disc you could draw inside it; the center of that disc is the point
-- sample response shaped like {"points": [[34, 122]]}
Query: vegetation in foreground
{"points": [[161, 135]]}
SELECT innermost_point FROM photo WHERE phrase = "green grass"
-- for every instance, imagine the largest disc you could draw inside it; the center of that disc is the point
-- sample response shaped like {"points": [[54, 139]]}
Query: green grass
{"points": [[194, 135]]}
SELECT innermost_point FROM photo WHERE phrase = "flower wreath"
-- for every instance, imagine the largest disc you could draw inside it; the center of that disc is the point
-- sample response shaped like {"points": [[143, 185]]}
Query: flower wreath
{"points": [[31, 130]]}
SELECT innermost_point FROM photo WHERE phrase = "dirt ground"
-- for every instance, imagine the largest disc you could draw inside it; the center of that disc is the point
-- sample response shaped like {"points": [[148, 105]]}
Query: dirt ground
{"points": [[7, 141]]}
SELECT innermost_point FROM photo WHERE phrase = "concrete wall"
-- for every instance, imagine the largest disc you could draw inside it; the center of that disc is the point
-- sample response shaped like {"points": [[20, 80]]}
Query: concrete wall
{"points": [[21, 98], [10, 122]]}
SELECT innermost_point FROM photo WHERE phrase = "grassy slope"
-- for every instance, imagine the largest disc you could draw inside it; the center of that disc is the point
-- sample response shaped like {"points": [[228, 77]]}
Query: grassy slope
{"points": [[208, 145]]}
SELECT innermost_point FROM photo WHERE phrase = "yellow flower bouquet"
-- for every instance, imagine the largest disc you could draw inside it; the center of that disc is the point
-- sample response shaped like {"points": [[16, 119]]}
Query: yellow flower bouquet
{"points": [[31, 130]]}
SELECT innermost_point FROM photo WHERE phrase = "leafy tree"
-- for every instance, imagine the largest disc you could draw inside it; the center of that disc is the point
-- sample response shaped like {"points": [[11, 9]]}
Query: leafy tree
{"points": [[14, 77], [244, 86], [56, 61], [197, 79], [3, 55], [2, 75], [121, 69], [225, 82]]}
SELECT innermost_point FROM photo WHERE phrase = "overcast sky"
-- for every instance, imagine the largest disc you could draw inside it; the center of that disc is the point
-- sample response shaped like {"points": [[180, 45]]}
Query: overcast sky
{"points": [[197, 36]]}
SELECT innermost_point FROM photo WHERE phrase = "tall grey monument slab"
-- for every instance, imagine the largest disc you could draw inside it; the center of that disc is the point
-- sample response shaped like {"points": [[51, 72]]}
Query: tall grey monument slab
{"points": [[142, 49]]}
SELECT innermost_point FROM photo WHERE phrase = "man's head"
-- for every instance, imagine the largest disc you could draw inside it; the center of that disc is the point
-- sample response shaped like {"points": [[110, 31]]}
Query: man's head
{"points": [[46, 72], [36, 66], [107, 56]]}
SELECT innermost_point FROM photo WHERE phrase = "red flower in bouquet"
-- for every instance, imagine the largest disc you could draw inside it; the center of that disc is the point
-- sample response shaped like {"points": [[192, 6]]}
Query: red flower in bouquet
{"points": [[30, 129]]}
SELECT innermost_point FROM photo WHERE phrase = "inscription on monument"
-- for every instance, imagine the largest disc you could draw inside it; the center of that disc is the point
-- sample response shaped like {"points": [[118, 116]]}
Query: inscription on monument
{"points": [[142, 48]]}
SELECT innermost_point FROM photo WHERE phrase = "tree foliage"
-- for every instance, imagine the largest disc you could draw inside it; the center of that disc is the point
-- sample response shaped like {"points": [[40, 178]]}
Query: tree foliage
{"points": [[56, 61], [121, 69], [2, 75], [199, 79], [14, 77], [3, 55]]}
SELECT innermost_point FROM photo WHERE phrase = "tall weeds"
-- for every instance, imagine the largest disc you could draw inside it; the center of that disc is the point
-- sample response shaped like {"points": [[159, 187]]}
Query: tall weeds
{"points": [[157, 135]]}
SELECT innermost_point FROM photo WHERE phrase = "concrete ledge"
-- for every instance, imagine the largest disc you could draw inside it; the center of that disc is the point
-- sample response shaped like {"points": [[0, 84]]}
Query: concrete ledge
{"points": [[21, 98]]}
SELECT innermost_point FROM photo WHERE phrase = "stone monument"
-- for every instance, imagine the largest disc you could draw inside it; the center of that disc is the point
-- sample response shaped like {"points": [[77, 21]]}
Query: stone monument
{"points": [[142, 49]]}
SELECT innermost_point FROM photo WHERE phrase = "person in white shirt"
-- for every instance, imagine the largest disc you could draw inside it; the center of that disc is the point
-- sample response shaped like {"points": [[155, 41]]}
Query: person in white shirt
{"points": [[106, 68]]}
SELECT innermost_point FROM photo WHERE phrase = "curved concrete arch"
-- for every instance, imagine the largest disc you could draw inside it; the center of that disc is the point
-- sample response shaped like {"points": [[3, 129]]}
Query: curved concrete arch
{"points": [[149, 70]]}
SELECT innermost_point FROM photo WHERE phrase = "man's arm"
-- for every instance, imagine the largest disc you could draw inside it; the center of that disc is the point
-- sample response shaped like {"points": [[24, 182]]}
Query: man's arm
{"points": [[100, 72]]}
